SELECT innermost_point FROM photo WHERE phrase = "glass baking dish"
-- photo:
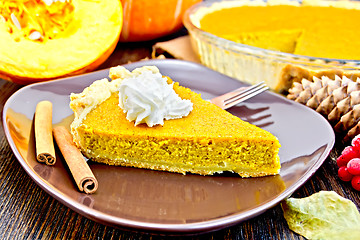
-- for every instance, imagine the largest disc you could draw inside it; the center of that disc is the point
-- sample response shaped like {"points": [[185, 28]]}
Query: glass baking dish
{"points": [[252, 64]]}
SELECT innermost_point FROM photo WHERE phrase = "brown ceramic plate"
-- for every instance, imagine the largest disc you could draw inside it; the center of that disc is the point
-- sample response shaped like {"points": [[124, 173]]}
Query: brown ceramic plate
{"points": [[170, 202]]}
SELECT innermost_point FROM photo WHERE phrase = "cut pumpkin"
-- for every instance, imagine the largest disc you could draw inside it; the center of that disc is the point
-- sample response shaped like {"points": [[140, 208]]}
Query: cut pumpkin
{"points": [[48, 39]]}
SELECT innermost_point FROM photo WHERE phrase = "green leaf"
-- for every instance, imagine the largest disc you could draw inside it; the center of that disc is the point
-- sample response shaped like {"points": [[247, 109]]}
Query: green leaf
{"points": [[323, 215]]}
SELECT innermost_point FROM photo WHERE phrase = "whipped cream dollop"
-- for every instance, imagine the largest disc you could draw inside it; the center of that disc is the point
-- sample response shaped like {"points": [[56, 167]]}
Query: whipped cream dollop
{"points": [[146, 97]]}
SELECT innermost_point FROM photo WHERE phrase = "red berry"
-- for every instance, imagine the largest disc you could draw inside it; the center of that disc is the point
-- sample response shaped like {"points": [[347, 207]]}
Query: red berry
{"points": [[356, 142], [347, 154], [355, 183], [341, 161], [353, 166], [344, 174]]}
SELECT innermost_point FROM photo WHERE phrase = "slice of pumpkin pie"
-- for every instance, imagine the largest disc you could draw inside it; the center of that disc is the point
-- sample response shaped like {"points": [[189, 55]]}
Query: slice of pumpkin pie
{"points": [[143, 119]]}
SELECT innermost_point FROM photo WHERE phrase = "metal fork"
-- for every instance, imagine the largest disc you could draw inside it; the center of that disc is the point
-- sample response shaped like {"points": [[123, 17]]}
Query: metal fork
{"points": [[239, 95]]}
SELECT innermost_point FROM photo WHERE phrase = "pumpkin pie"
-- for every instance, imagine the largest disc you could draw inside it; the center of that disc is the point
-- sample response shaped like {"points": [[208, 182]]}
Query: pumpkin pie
{"points": [[321, 35], [208, 140], [313, 28]]}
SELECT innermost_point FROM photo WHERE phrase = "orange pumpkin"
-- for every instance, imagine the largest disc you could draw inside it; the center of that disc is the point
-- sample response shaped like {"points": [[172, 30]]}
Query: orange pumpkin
{"points": [[148, 19], [47, 39]]}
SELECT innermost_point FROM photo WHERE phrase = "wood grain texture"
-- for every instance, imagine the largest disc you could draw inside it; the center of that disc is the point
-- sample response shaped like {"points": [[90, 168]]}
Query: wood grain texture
{"points": [[28, 212]]}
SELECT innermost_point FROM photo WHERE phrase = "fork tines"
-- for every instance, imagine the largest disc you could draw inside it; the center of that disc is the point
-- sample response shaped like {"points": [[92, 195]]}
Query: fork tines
{"points": [[239, 95]]}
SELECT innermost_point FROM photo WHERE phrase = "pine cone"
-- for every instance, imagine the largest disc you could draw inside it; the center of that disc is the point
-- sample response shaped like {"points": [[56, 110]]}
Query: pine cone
{"points": [[344, 106], [337, 99], [296, 91]]}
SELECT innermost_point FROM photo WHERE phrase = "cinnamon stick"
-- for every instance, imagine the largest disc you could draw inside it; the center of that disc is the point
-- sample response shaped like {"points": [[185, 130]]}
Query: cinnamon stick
{"points": [[45, 151], [80, 170]]}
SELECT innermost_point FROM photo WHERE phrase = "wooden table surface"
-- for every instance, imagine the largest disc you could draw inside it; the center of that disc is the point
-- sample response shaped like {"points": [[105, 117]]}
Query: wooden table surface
{"points": [[28, 212]]}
